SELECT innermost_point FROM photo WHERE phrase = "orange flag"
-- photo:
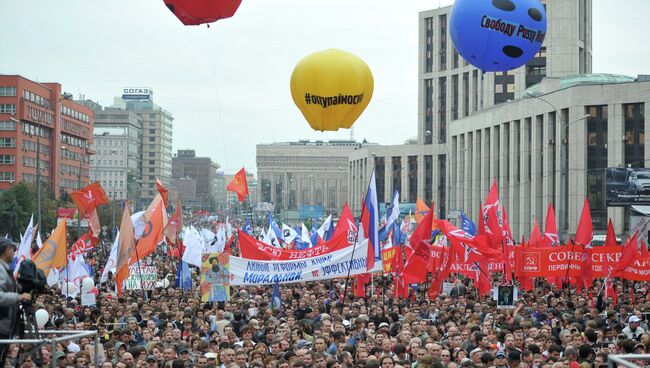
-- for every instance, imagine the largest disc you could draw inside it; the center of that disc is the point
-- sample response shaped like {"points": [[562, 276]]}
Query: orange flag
{"points": [[421, 210], [53, 252], [88, 198], [239, 185], [95, 226], [125, 250], [153, 231], [163, 192]]}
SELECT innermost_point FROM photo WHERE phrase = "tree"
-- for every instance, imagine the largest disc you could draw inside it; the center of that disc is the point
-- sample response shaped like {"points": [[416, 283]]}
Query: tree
{"points": [[19, 203]]}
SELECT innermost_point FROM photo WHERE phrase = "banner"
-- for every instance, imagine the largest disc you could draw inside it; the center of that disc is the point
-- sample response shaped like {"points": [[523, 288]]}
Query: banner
{"points": [[144, 277], [626, 186], [555, 261], [387, 256], [327, 266], [215, 277], [252, 248], [639, 270]]}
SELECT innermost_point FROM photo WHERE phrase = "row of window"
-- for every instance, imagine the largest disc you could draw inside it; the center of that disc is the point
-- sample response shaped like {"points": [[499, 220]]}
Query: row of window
{"points": [[7, 176], [33, 129], [8, 125], [40, 115], [75, 114], [33, 97], [7, 159], [8, 109], [7, 142], [74, 141], [31, 146], [31, 162], [75, 128], [8, 91]]}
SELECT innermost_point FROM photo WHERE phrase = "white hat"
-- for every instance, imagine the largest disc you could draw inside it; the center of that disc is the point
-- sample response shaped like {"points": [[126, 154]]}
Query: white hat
{"points": [[210, 356], [634, 319]]}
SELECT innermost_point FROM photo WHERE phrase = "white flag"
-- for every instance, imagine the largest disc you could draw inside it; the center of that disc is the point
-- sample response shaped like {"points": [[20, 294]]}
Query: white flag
{"points": [[304, 236], [228, 228], [273, 239], [193, 247], [288, 233], [325, 227], [138, 224], [392, 214], [112, 260], [39, 240], [25, 249]]}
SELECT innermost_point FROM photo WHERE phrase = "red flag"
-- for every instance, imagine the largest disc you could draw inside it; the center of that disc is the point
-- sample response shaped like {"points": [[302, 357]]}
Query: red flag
{"points": [[346, 226], [585, 231], [360, 285], [478, 243], [86, 243], [492, 217], [88, 198], [417, 264], [629, 252], [163, 192], [610, 291], [447, 258], [536, 240], [644, 249], [175, 223], [550, 231], [423, 231], [610, 239], [239, 185]]}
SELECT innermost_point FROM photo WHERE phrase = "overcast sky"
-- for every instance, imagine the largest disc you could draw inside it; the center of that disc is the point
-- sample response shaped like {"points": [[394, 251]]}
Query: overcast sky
{"points": [[228, 85]]}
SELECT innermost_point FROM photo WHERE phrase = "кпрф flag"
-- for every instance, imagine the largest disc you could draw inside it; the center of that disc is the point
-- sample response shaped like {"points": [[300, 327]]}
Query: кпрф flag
{"points": [[369, 222]]}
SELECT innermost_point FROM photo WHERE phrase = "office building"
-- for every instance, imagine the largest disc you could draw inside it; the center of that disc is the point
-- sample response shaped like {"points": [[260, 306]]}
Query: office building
{"points": [[194, 178], [450, 89], [43, 132], [305, 179]]}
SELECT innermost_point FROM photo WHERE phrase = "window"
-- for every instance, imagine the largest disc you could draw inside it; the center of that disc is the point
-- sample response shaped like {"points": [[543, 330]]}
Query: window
{"points": [[8, 109], [7, 142], [7, 159], [152, 154], [7, 125], [7, 176], [152, 139], [152, 131], [8, 91]]}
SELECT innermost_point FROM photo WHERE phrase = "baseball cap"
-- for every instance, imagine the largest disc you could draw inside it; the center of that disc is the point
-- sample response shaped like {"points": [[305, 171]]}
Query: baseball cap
{"points": [[58, 355], [4, 243], [500, 354], [477, 350], [634, 319], [151, 357], [346, 323], [383, 324], [210, 356], [182, 349]]}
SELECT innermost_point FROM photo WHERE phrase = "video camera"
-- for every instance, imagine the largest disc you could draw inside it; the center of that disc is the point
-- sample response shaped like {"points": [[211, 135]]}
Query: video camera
{"points": [[31, 278]]}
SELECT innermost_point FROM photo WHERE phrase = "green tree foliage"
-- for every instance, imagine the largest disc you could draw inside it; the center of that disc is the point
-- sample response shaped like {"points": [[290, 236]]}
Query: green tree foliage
{"points": [[19, 203]]}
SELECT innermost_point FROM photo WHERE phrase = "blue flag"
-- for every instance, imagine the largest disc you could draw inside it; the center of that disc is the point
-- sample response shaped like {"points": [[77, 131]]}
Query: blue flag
{"points": [[275, 227], [276, 300], [183, 276], [466, 224], [248, 229], [399, 237], [299, 243], [314, 233]]}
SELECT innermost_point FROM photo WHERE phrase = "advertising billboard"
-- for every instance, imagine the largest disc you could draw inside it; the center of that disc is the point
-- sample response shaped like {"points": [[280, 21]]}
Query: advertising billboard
{"points": [[627, 186]]}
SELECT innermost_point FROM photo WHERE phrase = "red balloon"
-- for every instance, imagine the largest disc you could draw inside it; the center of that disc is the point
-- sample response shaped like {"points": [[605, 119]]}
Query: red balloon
{"points": [[195, 12]]}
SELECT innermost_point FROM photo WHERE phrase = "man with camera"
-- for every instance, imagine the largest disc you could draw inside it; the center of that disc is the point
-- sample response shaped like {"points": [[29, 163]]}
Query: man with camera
{"points": [[9, 298]]}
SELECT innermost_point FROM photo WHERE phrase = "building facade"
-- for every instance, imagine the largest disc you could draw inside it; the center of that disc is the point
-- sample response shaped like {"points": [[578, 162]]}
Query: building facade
{"points": [[553, 146], [297, 175], [202, 171], [157, 125], [450, 89], [43, 133], [117, 164]]}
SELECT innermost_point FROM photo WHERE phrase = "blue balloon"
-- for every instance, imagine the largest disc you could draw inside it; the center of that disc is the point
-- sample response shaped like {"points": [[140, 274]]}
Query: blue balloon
{"points": [[498, 35]]}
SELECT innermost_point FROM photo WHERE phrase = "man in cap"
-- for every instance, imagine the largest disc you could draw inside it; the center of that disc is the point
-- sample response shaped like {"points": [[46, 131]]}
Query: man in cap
{"points": [[151, 361], [59, 358], [633, 330], [500, 360], [9, 298]]}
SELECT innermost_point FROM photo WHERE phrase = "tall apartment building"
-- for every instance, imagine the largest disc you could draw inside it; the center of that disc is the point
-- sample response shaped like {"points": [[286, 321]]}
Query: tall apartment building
{"points": [[451, 89], [40, 127], [117, 163], [157, 124], [194, 178]]}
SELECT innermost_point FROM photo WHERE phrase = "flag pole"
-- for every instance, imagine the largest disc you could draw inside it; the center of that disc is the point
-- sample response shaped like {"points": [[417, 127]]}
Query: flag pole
{"points": [[354, 247], [144, 292]]}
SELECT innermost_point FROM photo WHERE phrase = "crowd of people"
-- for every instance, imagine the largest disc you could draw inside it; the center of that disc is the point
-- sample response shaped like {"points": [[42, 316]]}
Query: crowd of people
{"points": [[319, 325]]}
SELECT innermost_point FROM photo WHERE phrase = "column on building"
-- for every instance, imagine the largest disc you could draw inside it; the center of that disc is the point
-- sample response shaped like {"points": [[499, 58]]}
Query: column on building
{"points": [[525, 181], [420, 176], [404, 175], [551, 144], [514, 178], [503, 179], [616, 157], [453, 161], [486, 161], [577, 164], [494, 154], [477, 165]]}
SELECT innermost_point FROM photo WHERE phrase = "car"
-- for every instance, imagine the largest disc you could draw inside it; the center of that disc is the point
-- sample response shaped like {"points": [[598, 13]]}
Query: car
{"points": [[639, 182], [598, 240]]}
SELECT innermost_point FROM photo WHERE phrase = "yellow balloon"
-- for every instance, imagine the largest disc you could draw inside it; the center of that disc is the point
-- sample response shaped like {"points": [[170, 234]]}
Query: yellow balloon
{"points": [[331, 88]]}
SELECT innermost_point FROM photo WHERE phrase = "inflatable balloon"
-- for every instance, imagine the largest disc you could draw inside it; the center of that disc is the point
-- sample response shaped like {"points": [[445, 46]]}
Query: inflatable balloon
{"points": [[195, 12], [331, 88], [497, 35], [41, 316], [69, 288], [87, 284]]}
